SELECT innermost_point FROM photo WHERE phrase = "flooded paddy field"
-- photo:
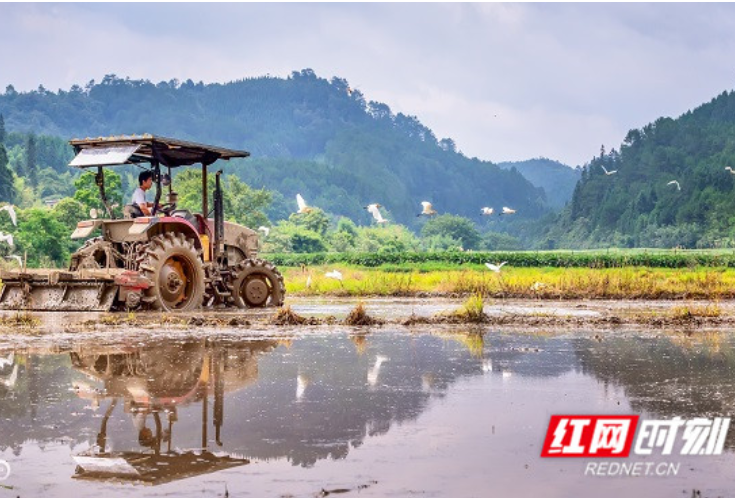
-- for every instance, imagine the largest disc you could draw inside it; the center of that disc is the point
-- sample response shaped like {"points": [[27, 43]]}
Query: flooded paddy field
{"points": [[389, 411]]}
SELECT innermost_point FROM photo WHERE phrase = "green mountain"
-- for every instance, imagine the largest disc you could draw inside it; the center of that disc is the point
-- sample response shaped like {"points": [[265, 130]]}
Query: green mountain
{"points": [[557, 180], [640, 205], [306, 134]]}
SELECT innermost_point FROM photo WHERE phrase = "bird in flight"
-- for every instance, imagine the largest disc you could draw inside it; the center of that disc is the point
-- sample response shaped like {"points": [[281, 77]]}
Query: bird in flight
{"points": [[608, 172], [676, 183], [303, 207], [427, 209], [11, 211], [373, 209], [507, 211], [266, 230], [7, 238], [495, 267], [487, 211], [730, 169], [334, 274]]}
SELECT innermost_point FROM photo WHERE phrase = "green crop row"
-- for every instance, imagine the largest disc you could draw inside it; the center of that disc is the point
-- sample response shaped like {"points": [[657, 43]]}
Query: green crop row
{"points": [[588, 258]]}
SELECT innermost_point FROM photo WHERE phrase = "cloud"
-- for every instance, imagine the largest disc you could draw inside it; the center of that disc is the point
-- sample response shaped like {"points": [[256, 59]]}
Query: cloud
{"points": [[562, 78]]}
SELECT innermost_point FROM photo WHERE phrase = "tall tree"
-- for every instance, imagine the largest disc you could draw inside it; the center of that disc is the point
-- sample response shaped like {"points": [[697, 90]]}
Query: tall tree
{"points": [[31, 163]]}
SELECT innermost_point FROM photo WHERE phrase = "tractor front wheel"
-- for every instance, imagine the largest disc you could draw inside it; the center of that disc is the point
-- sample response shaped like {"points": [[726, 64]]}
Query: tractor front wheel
{"points": [[257, 284]]}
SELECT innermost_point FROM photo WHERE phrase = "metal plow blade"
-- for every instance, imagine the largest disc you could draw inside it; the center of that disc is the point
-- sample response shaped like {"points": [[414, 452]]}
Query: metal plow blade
{"points": [[55, 292]]}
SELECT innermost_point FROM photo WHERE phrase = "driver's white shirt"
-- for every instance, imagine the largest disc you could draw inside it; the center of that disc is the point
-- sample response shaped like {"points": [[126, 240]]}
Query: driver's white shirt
{"points": [[139, 196]]}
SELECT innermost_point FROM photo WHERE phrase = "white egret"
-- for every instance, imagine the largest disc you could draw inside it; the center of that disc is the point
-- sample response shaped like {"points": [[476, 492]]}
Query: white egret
{"points": [[676, 183], [427, 209], [334, 274], [495, 267], [373, 209], [303, 207], [487, 211], [7, 238], [507, 211], [608, 172], [266, 230], [730, 169]]}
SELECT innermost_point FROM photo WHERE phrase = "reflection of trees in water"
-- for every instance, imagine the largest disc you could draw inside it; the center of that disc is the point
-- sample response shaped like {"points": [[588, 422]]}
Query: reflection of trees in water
{"points": [[25, 414], [668, 376], [313, 399], [349, 395]]}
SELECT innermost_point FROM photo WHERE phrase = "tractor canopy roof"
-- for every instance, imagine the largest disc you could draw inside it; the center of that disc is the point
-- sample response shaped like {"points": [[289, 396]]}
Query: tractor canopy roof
{"points": [[146, 148]]}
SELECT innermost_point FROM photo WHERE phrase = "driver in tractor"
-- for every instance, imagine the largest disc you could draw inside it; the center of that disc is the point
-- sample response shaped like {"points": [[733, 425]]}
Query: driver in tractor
{"points": [[145, 181]]}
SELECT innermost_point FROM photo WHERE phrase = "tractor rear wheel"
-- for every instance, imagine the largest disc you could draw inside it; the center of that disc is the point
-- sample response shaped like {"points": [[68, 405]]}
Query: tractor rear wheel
{"points": [[257, 284], [172, 263]]}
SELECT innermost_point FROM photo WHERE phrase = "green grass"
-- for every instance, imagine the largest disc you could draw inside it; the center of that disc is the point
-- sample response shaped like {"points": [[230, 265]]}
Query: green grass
{"points": [[430, 261]]}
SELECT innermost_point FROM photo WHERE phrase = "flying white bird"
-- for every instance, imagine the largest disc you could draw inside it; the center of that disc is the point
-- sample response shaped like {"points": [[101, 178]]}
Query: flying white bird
{"points": [[11, 211], [16, 257], [334, 274], [487, 211], [266, 230], [372, 375], [495, 267], [427, 210], [303, 207], [507, 211], [674, 182], [373, 209], [730, 169], [608, 172], [7, 238], [302, 381]]}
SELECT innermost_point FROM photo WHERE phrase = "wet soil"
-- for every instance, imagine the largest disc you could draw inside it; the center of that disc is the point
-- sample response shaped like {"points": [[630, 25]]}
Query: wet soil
{"points": [[309, 312]]}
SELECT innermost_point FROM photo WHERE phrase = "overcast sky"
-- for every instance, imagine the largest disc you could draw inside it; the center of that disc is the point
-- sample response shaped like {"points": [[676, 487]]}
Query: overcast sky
{"points": [[505, 81]]}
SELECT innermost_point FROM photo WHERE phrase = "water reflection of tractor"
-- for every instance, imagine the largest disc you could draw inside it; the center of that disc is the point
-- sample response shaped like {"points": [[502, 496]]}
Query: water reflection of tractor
{"points": [[171, 260], [153, 383]]}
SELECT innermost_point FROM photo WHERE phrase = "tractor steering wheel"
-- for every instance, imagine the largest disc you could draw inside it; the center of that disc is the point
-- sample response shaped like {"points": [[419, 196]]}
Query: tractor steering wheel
{"points": [[166, 208]]}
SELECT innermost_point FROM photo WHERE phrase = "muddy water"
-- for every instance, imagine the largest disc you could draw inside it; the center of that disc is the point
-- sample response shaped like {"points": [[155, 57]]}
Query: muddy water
{"points": [[386, 412]]}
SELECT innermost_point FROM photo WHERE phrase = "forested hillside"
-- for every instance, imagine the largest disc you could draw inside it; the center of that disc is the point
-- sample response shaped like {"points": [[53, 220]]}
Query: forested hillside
{"points": [[640, 205], [306, 134]]}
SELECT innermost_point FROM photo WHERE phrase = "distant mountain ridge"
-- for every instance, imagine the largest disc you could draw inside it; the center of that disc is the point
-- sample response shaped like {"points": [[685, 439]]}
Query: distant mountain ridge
{"points": [[306, 134], [557, 180]]}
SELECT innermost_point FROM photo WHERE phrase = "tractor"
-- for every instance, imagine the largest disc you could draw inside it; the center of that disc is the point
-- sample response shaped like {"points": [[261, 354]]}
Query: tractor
{"points": [[172, 260]]}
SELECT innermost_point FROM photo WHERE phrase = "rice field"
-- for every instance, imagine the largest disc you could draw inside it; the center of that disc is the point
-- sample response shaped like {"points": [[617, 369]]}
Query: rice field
{"points": [[631, 282]]}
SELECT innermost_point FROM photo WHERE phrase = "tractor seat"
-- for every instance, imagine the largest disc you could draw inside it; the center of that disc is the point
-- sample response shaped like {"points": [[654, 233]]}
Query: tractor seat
{"points": [[132, 211]]}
